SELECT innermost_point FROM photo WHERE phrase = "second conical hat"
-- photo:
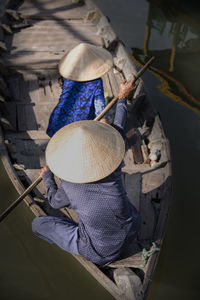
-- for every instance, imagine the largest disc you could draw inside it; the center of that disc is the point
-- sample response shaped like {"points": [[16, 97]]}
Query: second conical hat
{"points": [[85, 62], [85, 151]]}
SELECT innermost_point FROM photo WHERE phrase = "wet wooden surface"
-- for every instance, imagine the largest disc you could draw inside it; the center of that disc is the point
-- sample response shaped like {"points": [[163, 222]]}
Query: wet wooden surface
{"points": [[59, 9], [58, 36]]}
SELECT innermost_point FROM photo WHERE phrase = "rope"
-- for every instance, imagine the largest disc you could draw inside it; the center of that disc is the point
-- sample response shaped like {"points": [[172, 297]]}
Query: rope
{"points": [[146, 254]]}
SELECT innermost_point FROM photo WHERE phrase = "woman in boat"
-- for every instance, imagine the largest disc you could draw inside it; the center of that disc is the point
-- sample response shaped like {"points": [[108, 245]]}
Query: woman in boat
{"points": [[87, 156], [82, 96]]}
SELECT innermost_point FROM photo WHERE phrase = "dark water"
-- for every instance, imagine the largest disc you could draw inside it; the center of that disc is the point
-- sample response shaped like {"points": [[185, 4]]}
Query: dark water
{"points": [[31, 269]]}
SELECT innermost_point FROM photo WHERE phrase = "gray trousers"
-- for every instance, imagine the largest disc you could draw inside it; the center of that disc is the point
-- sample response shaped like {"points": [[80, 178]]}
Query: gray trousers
{"points": [[60, 231]]}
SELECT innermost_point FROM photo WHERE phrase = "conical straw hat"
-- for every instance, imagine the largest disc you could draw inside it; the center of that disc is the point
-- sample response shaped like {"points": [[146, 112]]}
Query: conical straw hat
{"points": [[85, 151], [85, 62]]}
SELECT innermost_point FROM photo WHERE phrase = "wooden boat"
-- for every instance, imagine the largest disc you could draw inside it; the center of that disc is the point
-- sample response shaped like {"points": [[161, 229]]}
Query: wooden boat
{"points": [[36, 35]]}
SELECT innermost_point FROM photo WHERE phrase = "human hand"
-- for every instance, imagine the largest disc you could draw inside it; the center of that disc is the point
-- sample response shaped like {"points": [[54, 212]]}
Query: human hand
{"points": [[125, 89], [43, 170], [104, 120]]}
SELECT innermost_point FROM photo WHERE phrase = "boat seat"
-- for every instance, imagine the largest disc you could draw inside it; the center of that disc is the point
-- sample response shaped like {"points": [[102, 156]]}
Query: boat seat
{"points": [[134, 143], [137, 260], [133, 261]]}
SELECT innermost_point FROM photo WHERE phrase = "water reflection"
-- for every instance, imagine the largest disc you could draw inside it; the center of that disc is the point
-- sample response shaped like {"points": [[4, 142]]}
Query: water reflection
{"points": [[173, 36]]}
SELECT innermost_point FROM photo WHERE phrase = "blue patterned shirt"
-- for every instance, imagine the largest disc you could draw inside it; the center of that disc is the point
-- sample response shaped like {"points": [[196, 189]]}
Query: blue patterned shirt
{"points": [[79, 100]]}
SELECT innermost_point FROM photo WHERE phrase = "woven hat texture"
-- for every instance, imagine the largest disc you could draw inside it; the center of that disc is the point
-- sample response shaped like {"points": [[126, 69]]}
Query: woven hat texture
{"points": [[85, 62], [85, 151]]}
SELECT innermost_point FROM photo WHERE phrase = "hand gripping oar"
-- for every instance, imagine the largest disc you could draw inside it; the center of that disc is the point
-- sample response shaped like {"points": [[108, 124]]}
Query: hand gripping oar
{"points": [[18, 200], [137, 76]]}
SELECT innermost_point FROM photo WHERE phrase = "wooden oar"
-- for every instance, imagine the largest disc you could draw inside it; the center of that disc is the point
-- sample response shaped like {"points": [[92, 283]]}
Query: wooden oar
{"points": [[18, 200], [137, 76]]}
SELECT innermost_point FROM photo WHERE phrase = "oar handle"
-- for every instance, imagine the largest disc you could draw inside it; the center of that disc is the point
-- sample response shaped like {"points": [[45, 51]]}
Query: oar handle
{"points": [[106, 109], [141, 71], [137, 76], [21, 197]]}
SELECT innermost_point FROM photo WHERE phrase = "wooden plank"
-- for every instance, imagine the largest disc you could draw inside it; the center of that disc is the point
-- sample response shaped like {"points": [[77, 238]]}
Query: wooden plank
{"points": [[148, 219], [59, 9], [15, 179], [133, 140], [33, 60], [24, 87], [150, 267], [145, 152], [158, 145], [128, 69], [107, 87], [30, 153], [13, 83], [26, 118], [33, 117], [152, 180], [118, 76], [129, 282], [25, 43], [165, 193], [42, 113], [108, 96], [45, 89], [104, 280], [133, 261], [140, 89], [133, 183], [60, 25], [123, 62], [12, 114], [120, 56], [113, 82], [35, 38], [44, 43], [50, 88], [55, 86], [33, 87], [105, 30], [129, 165]]}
